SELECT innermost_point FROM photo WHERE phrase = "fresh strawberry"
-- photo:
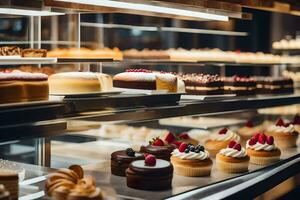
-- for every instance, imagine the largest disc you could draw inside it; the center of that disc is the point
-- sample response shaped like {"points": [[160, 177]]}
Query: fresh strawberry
{"points": [[280, 122], [182, 147], [262, 138], [223, 131], [177, 143], [237, 147], [170, 138], [249, 124], [183, 136], [150, 160], [252, 141], [231, 144], [157, 142], [270, 140]]}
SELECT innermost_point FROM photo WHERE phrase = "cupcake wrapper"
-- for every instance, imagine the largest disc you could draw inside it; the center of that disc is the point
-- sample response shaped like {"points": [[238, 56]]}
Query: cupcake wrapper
{"points": [[263, 160], [192, 171], [287, 142], [232, 167]]}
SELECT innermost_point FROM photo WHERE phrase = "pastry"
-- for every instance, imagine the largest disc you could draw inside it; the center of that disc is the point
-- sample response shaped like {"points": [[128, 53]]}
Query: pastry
{"points": [[150, 174], [158, 148], [17, 86], [34, 53], [4, 194], [239, 85], [262, 149], [79, 82], [249, 129], [233, 159], [166, 82], [70, 184], [284, 134], [274, 85], [10, 180], [120, 160], [220, 140], [190, 160], [10, 51], [146, 54], [202, 84]]}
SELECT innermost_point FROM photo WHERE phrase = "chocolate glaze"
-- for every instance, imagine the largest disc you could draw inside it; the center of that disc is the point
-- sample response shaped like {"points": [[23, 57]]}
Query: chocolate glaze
{"points": [[160, 152]]}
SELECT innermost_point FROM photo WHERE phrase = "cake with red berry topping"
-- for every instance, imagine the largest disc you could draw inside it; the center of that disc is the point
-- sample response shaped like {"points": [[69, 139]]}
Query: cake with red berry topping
{"points": [[120, 160], [220, 140], [262, 149], [284, 134], [239, 85], [248, 130], [148, 80], [150, 174], [17, 86], [233, 158], [158, 148], [190, 160]]}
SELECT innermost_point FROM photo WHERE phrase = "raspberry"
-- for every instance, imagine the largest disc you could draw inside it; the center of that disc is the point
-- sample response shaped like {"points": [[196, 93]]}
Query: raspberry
{"points": [[252, 141], [256, 136], [169, 138], [183, 136], [270, 140], [177, 143], [223, 131], [262, 139], [232, 144], [280, 122], [182, 147], [238, 147], [150, 160]]}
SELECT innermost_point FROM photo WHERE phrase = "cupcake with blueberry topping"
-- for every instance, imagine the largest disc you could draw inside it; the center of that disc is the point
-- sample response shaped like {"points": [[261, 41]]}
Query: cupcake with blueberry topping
{"points": [[220, 141], [190, 160], [284, 134], [233, 159], [262, 149]]}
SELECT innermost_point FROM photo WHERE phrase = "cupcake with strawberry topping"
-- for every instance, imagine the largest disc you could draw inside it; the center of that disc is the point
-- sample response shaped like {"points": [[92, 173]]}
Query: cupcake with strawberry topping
{"points": [[248, 130], [262, 150], [284, 134], [220, 141], [190, 160], [158, 148], [233, 159]]}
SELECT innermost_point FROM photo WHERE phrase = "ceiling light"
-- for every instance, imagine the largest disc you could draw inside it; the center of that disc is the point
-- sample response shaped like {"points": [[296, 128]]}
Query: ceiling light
{"points": [[150, 8], [24, 12]]}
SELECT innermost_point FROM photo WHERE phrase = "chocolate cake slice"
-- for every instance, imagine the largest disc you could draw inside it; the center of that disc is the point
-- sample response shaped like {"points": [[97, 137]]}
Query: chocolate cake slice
{"points": [[274, 85], [239, 85]]}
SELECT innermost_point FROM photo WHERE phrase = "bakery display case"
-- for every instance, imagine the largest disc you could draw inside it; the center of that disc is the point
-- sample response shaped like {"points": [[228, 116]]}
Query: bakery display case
{"points": [[147, 100]]}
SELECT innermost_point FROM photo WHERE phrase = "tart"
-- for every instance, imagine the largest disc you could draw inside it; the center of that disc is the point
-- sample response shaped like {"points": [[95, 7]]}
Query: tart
{"points": [[233, 159], [150, 174], [247, 131], [284, 134], [220, 140], [120, 160], [190, 160], [262, 149], [158, 148]]}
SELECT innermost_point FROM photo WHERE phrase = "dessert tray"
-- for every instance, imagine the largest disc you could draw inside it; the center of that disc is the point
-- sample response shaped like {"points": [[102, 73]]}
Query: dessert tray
{"points": [[82, 95], [10, 60]]}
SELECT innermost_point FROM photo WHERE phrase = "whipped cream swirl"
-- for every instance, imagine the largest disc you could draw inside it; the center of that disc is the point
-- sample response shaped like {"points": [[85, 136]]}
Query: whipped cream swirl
{"points": [[229, 135], [258, 146], [230, 152], [282, 129], [202, 155]]}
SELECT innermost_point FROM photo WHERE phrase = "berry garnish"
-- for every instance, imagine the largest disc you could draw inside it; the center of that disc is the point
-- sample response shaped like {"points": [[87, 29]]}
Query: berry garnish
{"points": [[296, 119], [177, 143], [280, 122], [169, 138], [262, 138], [150, 160], [182, 147], [183, 136], [287, 124], [270, 140], [157, 142], [252, 141], [249, 124], [256, 136], [237, 147], [192, 148], [232, 144], [223, 131], [186, 150], [130, 152], [199, 148]]}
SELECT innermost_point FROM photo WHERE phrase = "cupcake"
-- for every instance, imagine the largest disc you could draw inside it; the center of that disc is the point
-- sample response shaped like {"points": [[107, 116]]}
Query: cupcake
{"points": [[150, 174], [220, 141], [189, 160], [120, 160], [158, 148], [247, 131], [262, 149], [184, 137], [233, 159], [284, 134]]}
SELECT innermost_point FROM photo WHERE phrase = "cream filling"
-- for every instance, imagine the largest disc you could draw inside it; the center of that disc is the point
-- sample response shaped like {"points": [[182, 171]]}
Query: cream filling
{"points": [[201, 88], [238, 88]]}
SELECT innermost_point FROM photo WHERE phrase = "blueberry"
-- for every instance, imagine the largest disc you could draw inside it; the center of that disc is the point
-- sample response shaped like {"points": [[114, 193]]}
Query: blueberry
{"points": [[201, 148], [130, 152], [197, 151], [192, 149], [186, 150]]}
